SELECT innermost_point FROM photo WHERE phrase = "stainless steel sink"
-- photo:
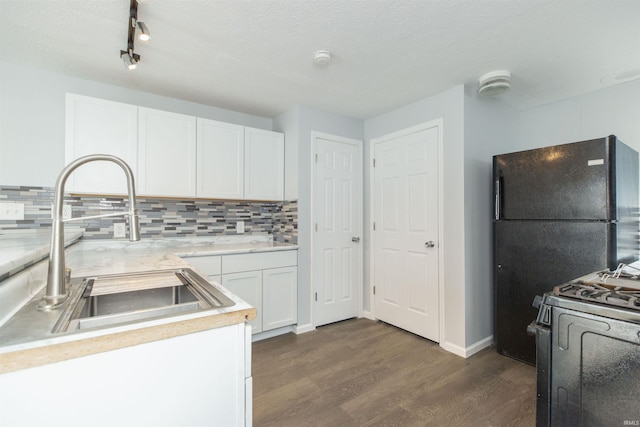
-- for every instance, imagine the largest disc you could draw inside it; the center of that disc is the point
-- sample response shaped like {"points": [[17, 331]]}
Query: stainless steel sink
{"points": [[117, 299]]}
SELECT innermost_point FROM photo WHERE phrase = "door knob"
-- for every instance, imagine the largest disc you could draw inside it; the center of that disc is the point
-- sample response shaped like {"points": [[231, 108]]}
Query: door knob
{"points": [[430, 244], [355, 239]]}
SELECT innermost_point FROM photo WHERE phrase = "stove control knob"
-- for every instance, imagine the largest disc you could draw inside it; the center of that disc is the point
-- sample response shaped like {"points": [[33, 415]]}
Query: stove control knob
{"points": [[537, 301]]}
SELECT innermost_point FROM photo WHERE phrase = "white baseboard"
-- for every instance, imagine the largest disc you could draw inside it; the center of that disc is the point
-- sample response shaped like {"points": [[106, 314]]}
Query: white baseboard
{"points": [[368, 315], [479, 345], [272, 333], [301, 329], [469, 350]]}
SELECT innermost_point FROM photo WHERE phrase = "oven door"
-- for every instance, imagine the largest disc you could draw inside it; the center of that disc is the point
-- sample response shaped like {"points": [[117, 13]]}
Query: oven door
{"points": [[594, 371]]}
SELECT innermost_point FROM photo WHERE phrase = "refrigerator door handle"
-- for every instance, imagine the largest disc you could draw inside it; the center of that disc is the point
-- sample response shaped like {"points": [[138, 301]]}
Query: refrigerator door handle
{"points": [[497, 190]]}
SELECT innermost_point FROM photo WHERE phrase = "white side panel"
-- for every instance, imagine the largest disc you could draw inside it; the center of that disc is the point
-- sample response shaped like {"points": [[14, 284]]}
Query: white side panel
{"points": [[184, 380]]}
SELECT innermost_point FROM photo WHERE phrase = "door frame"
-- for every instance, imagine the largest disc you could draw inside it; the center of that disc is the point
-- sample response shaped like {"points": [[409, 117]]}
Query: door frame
{"points": [[315, 135], [437, 123]]}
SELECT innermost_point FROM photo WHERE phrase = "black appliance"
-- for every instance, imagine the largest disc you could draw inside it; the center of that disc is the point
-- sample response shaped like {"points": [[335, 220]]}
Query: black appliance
{"points": [[560, 212], [588, 352]]}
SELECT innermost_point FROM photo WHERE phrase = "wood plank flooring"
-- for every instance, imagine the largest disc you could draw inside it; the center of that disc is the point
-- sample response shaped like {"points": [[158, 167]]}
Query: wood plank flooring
{"points": [[366, 373]]}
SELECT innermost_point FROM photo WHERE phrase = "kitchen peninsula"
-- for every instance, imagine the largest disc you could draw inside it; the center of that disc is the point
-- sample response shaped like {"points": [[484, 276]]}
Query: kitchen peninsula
{"points": [[143, 370]]}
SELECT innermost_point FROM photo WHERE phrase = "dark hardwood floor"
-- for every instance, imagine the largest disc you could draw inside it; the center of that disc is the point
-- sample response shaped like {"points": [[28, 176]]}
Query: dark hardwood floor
{"points": [[366, 373]]}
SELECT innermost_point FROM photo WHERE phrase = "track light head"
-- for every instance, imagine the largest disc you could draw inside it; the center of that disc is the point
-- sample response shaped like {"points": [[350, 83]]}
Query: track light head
{"points": [[144, 35], [130, 59]]}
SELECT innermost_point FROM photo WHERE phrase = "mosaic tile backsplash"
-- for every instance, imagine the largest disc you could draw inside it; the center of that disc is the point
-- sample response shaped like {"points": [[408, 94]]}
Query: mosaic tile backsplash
{"points": [[159, 218]]}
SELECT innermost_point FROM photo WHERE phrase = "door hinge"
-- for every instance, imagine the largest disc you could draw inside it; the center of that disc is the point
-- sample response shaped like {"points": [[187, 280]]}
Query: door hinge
{"points": [[316, 157], [374, 226], [374, 290], [316, 226], [374, 163], [316, 296]]}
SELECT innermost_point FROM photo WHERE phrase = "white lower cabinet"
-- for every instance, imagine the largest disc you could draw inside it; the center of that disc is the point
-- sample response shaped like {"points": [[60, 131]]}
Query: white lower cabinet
{"points": [[248, 286], [266, 280], [279, 297], [203, 378]]}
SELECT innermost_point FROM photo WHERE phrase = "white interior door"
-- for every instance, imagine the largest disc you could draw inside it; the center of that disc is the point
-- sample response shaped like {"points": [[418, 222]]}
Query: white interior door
{"points": [[337, 216], [405, 238]]}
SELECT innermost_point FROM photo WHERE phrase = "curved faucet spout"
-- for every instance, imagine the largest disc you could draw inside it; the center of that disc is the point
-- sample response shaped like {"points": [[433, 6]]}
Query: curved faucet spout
{"points": [[57, 291]]}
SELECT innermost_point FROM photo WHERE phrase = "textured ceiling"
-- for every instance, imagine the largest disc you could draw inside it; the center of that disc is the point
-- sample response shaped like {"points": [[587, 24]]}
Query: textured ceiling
{"points": [[256, 56]]}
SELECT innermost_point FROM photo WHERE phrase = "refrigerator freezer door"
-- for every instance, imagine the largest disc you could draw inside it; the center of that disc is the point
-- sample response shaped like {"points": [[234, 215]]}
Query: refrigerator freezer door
{"points": [[531, 257], [567, 181]]}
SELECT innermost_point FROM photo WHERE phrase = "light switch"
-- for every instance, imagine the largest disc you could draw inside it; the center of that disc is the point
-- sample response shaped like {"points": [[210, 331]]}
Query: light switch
{"points": [[240, 227]]}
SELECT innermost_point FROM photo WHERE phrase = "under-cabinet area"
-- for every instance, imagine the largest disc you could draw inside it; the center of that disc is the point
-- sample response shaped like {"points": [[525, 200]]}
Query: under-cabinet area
{"points": [[267, 281], [171, 154]]}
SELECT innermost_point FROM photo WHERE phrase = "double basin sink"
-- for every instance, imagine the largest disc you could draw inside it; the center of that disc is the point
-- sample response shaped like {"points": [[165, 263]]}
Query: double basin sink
{"points": [[111, 300]]}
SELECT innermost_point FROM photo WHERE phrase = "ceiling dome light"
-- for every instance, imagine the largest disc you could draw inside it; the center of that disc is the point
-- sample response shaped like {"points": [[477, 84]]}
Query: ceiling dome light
{"points": [[494, 83], [322, 58]]}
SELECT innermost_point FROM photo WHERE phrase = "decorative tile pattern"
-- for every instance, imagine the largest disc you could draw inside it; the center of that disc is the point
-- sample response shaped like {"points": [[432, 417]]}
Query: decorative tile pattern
{"points": [[158, 217], [285, 229]]}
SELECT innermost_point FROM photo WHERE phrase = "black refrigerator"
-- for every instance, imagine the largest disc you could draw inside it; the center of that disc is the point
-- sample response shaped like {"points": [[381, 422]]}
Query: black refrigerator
{"points": [[560, 212]]}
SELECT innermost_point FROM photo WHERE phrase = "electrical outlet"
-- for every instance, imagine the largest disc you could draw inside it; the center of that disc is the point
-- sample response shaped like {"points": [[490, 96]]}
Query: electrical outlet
{"points": [[240, 227], [66, 211], [119, 230], [11, 211]]}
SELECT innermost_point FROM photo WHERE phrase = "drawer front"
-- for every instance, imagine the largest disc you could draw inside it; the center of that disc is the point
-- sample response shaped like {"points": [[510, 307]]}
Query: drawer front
{"points": [[209, 264], [258, 261]]}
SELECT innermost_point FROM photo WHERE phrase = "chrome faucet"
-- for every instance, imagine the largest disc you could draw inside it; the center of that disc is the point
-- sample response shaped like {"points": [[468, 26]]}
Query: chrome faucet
{"points": [[57, 278]]}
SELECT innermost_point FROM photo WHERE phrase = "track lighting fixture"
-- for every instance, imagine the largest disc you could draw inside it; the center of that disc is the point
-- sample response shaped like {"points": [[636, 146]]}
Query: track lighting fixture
{"points": [[144, 35], [130, 58]]}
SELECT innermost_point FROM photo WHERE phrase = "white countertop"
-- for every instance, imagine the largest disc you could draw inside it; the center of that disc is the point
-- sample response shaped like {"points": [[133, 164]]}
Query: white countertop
{"points": [[98, 257], [22, 248]]}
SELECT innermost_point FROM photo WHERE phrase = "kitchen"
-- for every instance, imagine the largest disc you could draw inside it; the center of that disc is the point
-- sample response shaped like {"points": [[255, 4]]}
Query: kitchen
{"points": [[475, 129]]}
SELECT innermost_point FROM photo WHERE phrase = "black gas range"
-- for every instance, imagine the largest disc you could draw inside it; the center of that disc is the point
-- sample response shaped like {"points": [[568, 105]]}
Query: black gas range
{"points": [[588, 351]]}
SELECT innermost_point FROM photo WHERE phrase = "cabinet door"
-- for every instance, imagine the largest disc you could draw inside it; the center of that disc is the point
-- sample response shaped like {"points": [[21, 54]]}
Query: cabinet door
{"points": [[263, 165], [166, 153], [279, 297], [97, 126], [247, 286], [220, 160]]}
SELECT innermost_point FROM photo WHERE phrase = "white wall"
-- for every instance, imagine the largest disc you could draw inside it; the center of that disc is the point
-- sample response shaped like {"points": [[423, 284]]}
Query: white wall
{"points": [[490, 127], [450, 106], [608, 111], [308, 120], [32, 119]]}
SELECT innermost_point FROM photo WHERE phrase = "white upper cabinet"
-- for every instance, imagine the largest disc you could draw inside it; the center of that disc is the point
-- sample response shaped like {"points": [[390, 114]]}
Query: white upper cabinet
{"points": [[97, 126], [263, 165], [167, 153], [171, 155], [220, 160]]}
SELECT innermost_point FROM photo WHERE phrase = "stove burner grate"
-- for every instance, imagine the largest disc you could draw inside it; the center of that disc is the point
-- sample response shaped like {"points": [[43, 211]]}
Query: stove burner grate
{"points": [[601, 293]]}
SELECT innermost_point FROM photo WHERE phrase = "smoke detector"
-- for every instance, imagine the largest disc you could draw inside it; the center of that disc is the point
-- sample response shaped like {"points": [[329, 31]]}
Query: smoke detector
{"points": [[322, 58], [494, 83]]}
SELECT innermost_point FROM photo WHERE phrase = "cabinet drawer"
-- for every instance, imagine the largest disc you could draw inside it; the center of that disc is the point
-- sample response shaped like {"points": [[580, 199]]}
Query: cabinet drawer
{"points": [[258, 261], [210, 264]]}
